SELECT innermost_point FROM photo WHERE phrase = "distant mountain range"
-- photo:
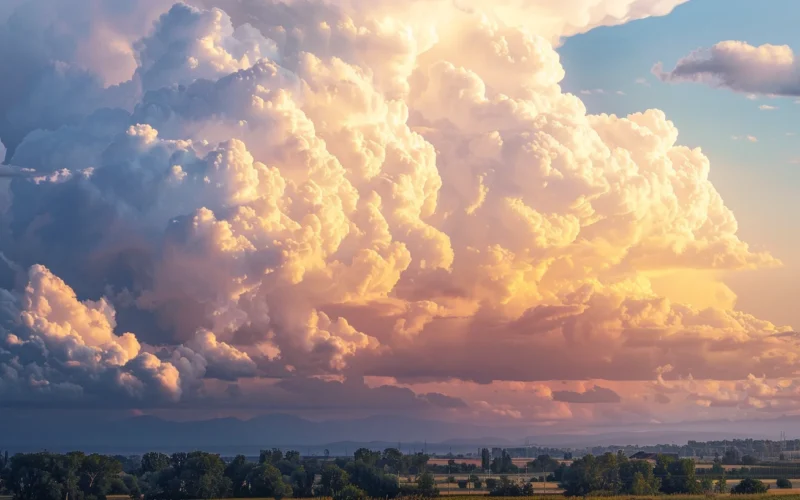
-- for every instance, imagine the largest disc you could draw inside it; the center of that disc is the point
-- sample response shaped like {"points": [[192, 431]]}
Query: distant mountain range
{"points": [[230, 436]]}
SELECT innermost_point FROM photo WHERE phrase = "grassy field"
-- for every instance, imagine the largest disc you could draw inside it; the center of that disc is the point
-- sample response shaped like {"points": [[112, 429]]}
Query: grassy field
{"points": [[793, 494], [785, 495]]}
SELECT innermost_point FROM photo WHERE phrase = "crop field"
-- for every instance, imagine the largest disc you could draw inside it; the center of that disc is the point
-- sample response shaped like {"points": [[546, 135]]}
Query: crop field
{"points": [[791, 494], [785, 495]]}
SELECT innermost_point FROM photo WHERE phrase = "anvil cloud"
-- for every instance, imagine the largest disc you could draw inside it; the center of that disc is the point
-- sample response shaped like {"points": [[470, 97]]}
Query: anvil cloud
{"points": [[336, 205]]}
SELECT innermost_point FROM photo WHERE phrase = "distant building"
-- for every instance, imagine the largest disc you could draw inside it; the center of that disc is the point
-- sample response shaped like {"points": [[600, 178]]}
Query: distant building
{"points": [[652, 457]]}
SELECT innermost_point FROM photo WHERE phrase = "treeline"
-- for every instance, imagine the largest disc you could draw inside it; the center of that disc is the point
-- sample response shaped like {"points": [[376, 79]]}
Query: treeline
{"points": [[200, 475], [616, 474]]}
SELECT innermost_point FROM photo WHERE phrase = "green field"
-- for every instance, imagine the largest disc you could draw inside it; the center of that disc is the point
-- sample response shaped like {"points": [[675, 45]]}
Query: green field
{"points": [[784, 495]]}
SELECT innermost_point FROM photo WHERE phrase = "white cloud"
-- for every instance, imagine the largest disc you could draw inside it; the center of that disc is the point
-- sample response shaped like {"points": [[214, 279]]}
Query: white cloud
{"points": [[767, 107], [770, 70]]}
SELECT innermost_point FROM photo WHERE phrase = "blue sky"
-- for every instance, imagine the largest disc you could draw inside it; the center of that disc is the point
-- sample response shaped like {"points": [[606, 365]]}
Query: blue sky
{"points": [[757, 180]]}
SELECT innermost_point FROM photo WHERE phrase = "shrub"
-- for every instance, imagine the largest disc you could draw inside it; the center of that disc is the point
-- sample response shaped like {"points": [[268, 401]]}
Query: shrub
{"points": [[462, 484], [783, 484], [749, 486], [350, 492], [491, 483]]}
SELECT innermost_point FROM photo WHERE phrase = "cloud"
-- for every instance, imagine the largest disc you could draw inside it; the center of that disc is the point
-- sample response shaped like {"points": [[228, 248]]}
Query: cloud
{"points": [[275, 202], [595, 394], [767, 107], [738, 66], [551, 20], [749, 138]]}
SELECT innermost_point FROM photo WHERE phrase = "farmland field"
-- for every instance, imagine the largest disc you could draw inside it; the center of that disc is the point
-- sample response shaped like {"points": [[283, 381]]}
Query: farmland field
{"points": [[785, 495]]}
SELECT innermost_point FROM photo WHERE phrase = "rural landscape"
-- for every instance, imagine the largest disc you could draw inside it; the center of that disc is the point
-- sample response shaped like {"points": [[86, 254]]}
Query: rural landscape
{"points": [[388, 473]]}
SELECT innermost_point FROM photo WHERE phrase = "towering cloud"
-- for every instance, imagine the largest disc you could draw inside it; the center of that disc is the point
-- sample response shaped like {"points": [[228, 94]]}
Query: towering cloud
{"points": [[330, 199], [741, 67]]}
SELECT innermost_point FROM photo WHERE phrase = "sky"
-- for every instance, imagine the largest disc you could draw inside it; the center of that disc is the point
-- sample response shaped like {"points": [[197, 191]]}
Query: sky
{"points": [[757, 179], [567, 215]]}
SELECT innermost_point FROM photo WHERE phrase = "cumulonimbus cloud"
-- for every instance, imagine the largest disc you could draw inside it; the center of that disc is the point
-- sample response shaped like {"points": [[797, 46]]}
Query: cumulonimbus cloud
{"points": [[286, 199], [735, 65]]}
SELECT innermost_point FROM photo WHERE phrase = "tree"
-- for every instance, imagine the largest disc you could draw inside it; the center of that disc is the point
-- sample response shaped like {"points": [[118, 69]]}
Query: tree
{"points": [[266, 481], [203, 476], [749, 460], [367, 456], [154, 462], [676, 475], [350, 492], [292, 456], [486, 458], [749, 486], [783, 483], [507, 488], [334, 479], [721, 486], [543, 463], [272, 456], [731, 457], [393, 458], [707, 485], [34, 477], [426, 485], [610, 474], [237, 470], [96, 470], [302, 483], [327, 453], [419, 462], [568, 455]]}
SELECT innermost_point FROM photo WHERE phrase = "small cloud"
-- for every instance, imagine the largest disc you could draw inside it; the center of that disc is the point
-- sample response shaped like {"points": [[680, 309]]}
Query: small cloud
{"points": [[790, 134], [767, 70], [794, 161], [750, 138], [797, 101], [619, 92], [767, 107], [642, 81], [596, 394], [662, 399], [752, 97], [593, 91]]}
